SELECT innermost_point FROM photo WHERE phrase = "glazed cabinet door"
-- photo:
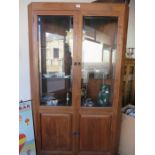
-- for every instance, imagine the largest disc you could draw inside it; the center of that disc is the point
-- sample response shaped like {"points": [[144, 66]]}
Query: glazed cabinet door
{"points": [[97, 84], [53, 53], [56, 54], [100, 64]]}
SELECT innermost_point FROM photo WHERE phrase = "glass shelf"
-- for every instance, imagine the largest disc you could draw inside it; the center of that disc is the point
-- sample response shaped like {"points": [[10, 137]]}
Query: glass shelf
{"points": [[57, 78], [56, 104]]}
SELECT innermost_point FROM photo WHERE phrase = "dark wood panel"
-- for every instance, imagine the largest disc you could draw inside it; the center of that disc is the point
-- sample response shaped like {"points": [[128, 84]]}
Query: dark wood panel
{"points": [[95, 132], [56, 132]]}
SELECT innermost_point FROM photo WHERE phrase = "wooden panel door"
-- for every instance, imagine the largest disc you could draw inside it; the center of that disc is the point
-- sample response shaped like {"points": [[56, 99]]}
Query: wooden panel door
{"points": [[56, 132], [102, 41], [95, 133], [52, 53]]}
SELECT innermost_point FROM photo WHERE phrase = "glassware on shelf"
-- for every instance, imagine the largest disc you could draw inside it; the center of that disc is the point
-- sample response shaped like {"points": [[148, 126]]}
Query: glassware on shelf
{"points": [[67, 98], [88, 103], [50, 100]]}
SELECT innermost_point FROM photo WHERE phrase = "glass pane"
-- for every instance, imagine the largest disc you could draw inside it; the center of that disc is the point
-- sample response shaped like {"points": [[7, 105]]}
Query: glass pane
{"points": [[56, 52], [98, 61]]}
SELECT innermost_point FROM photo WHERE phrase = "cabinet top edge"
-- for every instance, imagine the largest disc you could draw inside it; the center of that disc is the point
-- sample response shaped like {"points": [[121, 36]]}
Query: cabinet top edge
{"points": [[60, 5]]}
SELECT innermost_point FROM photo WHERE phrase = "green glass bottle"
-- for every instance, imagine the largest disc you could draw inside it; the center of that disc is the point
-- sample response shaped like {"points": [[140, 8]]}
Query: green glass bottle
{"points": [[103, 99]]}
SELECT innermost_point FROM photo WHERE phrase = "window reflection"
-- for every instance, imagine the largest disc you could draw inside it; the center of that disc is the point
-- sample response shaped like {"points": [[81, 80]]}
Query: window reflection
{"points": [[54, 53], [98, 61]]}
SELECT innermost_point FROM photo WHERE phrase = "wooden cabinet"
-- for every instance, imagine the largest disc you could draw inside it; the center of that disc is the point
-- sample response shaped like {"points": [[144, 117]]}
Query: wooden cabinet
{"points": [[76, 59]]}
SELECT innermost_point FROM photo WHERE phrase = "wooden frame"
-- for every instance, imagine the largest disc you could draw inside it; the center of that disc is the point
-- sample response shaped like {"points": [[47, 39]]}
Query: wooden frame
{"points": [[78, 11]]}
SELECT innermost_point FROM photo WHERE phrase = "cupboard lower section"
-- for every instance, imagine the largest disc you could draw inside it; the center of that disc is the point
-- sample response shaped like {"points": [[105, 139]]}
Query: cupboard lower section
{"points": [[95, 133], [56, 132], [61, 134]]}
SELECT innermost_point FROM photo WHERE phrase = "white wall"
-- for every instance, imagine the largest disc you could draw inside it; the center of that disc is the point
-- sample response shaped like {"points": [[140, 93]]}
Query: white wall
{"points": [[131, 25], [24, 71]]}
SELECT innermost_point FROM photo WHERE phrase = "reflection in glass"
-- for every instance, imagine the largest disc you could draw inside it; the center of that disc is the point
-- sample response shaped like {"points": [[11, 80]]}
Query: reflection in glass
{"points": [[98, 61], [56, 51]]}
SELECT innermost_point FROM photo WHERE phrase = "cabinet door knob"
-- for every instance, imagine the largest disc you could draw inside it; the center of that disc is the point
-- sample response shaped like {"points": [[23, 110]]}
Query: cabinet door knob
{"points": [[79, 63], [76, 133], [75, 63]]}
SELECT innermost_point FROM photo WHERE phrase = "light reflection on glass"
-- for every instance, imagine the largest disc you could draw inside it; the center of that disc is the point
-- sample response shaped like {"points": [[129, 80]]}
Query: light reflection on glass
{"points": [[98, 61]]}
